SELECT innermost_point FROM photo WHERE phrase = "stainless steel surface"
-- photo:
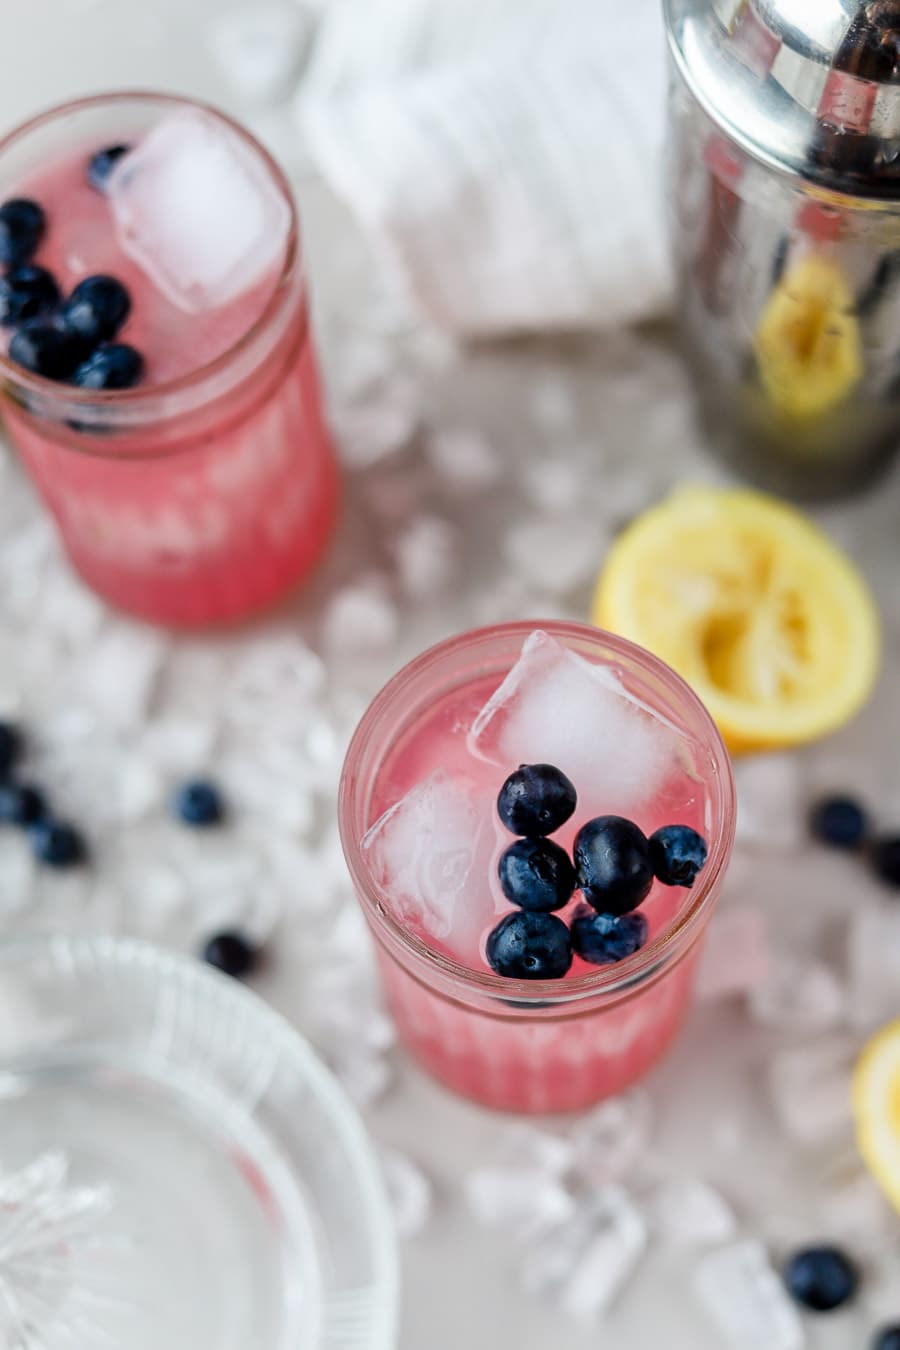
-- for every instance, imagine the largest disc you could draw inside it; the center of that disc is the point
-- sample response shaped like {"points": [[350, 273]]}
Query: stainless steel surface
{"points": [[785, 143]]}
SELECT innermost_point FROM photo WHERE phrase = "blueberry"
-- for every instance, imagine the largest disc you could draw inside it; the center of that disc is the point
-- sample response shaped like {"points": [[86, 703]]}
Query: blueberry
{"points": [[199, 804], [114, 366], [886, 859], [604, 939], [21, 804], [526, 946], [613, 865], [56, 844], [888, 1338], [10, 747], [821, 1278], [678, 854], [537, 875], [230, 953], [536, 800], [22, 225], [839, 821], [46, 349], [96, 309], [27, 292], [101, 165]]}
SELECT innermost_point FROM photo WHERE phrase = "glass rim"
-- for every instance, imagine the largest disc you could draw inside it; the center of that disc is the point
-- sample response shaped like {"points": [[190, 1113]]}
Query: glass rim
{"points": [[15, 377], [623, 978]]}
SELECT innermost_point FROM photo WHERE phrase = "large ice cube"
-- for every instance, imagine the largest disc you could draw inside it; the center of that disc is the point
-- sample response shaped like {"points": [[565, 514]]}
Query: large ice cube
{"points": [[431, 853], [746, 1300], [556, 708], [196, 208]]}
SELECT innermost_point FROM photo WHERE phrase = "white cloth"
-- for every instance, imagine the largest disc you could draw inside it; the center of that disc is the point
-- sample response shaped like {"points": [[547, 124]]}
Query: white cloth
{"points": [[506, 153]]}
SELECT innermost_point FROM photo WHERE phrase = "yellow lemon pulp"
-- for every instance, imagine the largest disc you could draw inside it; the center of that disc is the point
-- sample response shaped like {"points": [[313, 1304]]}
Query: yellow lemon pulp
{"points": [[807, 343], [762, 615], [876, 1107]]}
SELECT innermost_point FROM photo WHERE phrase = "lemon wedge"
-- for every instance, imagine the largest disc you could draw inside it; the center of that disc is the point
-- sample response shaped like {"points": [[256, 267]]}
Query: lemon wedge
{"points": [[876, 1107], [807, 343], [767, 620]]}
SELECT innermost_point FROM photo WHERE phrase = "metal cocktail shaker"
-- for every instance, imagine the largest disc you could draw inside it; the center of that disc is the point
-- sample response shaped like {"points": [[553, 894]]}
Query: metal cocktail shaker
{"points": [[785, 189]]}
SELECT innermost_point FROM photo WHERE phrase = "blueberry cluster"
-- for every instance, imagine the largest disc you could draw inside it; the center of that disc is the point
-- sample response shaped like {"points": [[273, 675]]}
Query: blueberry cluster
{"points": [[64, 338], [842, 822], [613, 865], [53, 842]]}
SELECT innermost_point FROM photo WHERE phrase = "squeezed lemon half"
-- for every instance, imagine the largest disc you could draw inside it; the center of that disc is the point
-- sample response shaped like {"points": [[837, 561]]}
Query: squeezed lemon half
{"points": [[876, 1106], [766, 619], [807, 342]]}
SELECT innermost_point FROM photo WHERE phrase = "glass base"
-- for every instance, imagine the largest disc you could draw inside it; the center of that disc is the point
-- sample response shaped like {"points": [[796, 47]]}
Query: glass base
{"points": [[173, 1240], [177, 1169]]}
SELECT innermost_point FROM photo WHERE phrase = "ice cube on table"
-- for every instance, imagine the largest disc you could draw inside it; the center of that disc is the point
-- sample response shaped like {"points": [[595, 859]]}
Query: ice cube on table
{"points": [[688, 1211], [736, 955], [425, 553], [409, 1192], [364, 1076], [119, 674], [259, 49], [196, 208], [810, 1088], [536, 1150], [746, 1300], [521, 1187], [584, 1263], [360, 620], [613, 1138], [464, 459], [554, 707], [798, 996], [874, 961], [522, 1202], [770, 794], [431, 854], [556, 555]]}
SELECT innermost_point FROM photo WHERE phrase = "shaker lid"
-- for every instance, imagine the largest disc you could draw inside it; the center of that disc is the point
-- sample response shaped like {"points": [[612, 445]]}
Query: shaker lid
{"points": [[811, 87]]}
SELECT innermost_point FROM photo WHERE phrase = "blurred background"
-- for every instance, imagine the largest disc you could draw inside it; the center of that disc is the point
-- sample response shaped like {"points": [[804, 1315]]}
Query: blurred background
{"points": [[501, 410]]}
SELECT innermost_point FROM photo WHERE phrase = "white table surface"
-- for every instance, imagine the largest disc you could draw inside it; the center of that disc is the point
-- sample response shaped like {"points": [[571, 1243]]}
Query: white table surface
{"points": [[460, 1287]]}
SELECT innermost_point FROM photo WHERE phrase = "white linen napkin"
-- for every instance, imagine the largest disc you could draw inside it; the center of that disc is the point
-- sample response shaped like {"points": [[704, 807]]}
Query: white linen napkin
{"points": [[507, 154]]}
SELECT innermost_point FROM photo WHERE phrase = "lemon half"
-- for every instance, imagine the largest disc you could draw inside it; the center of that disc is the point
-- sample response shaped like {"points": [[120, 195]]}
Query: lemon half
{"points": [[767, 620], [808, 345], [876, 1106]]}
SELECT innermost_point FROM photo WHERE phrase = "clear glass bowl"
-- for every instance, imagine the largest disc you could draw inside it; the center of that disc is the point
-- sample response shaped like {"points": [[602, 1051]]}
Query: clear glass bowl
{"points": [[177, 1169]]}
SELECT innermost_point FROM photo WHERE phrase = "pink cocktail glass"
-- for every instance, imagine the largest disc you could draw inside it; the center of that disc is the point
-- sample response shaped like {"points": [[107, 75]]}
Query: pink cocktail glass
{"points": [[544, 1045], [206, 492]]}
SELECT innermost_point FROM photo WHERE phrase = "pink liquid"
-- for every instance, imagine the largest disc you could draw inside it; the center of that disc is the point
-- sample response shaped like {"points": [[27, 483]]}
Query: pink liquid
{"points": [[81, 241], [542, 1058], [214, 512]]}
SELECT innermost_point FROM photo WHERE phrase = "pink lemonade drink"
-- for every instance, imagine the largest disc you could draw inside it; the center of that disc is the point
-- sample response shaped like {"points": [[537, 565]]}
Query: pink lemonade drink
{"points": [[191, 474], [424, 840]]}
